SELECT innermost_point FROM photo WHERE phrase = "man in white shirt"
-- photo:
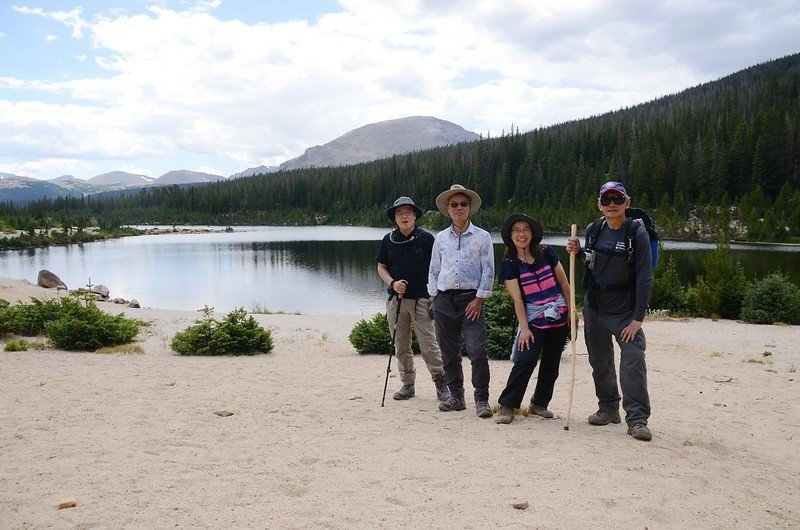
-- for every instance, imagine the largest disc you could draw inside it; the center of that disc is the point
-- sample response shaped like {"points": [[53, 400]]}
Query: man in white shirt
{"points": [[460, 278]]}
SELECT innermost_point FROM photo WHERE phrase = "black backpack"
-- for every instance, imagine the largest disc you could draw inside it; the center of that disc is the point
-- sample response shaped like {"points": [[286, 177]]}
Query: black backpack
{"points": [[633, 218]]}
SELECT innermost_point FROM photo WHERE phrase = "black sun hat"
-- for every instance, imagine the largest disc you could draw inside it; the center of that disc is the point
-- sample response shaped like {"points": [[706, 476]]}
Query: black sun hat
{"points": [[536, 229]]}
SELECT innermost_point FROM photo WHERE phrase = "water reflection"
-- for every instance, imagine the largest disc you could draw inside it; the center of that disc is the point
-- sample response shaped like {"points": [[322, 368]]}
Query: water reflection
{"points": [[292, 269]]}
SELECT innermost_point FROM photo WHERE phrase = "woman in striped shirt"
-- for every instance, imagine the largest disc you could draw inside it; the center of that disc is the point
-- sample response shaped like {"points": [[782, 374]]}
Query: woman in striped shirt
{"points": [[536, 281]]}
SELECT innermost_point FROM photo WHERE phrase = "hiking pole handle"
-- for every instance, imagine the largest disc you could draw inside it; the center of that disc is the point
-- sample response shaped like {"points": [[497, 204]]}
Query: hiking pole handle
{"points": [[391, 351], [573, 333]]}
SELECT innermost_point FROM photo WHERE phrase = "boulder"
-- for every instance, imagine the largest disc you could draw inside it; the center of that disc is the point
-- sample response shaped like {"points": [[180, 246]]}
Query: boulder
{"points": [[100, 290], [49, 280], [134, 303]]}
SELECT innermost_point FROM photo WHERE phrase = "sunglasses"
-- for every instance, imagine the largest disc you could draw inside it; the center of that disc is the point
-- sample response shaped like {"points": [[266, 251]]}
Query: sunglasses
{"points": [[463, 204], [616, 199]]}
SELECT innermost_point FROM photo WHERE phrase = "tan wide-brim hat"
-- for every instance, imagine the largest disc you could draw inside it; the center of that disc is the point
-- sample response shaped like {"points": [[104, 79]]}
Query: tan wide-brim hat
{"points": [[443, 199]]}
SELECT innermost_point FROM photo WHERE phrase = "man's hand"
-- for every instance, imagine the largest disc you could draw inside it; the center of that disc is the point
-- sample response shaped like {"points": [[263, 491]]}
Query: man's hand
{"points": [[399, 286], [573, 245], [630, 331], [474, 309]]}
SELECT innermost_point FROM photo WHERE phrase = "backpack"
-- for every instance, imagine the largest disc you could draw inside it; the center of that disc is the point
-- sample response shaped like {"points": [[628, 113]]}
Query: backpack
{"points": [[633, 218]]}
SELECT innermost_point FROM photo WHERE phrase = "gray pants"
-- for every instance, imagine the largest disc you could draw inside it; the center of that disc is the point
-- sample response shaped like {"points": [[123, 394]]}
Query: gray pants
{"points": [[451, 323], [413, 313], [597, 331]]}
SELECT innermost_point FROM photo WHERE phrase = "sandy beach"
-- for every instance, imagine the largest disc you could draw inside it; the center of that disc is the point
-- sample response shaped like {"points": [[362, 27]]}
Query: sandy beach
{"points": [[134, 439]]}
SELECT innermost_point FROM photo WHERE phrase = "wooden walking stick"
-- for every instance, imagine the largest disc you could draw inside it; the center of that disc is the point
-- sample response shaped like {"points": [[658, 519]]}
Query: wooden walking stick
{"points": [[572, 324]]}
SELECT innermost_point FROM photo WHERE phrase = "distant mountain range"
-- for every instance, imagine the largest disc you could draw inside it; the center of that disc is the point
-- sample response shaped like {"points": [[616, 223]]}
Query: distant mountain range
{"points": [[364, 144]]}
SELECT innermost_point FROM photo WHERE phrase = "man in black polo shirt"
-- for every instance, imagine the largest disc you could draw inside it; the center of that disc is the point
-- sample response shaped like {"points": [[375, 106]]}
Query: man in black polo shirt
{"points": [[403, 261]]}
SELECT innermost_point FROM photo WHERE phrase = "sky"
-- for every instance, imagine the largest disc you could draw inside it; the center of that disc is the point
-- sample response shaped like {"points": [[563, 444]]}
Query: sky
{"points": [[93, 86]]}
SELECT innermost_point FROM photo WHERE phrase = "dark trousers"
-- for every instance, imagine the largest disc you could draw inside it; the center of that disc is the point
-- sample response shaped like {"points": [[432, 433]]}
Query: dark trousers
{"points": [[547, 344], [598, 331], [451, 323]]}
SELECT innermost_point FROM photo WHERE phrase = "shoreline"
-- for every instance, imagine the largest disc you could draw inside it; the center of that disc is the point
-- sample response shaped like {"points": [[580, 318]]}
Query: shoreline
{"points": [[135, 441]]}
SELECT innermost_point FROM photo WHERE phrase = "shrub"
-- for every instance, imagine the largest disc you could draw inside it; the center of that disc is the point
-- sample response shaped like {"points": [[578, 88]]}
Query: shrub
{"points": [[69, 323], [721, 290], [82, 326], [16, 345], [667, 292], [501, 323], [374, 336], [236, 334], [773, 299]]}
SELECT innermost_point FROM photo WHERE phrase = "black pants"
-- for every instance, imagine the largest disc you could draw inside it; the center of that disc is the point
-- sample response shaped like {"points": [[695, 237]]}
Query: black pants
{"points": [[449, 313], [547, 343]]}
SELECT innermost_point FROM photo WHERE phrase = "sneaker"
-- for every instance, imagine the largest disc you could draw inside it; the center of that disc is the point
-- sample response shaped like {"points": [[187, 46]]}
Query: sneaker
{"points": [[640, 432], [541, 411], [442, 392], [407, 391], [482, 409], [452, 403], [604, 417], [505, 415]]}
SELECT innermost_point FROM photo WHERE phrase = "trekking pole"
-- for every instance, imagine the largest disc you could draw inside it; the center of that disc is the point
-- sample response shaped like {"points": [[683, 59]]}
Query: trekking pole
{"points": [[572, 324], [391, 352]]}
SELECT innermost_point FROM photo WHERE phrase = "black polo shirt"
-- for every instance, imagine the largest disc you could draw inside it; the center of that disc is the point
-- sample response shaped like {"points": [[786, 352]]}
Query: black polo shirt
{"points": [[408, 258]]}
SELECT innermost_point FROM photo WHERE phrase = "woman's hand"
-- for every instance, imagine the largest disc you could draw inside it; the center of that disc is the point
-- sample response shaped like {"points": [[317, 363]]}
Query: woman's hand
{"points": [[525, 338]]}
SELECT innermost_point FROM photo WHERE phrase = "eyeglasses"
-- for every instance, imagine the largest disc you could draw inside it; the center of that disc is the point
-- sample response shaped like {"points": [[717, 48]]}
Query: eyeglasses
{"points": [[520, 230], [463, 204], [616, 199], [403, 213]]}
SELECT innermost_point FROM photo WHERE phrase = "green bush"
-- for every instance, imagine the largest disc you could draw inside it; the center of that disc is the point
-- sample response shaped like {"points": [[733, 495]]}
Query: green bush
{"points": [[16, 345], [82, 326], [667, 292], [374, 336], [70, 323], [773, 299], [236, 334], [722, 288], [30, 319], [501, 323]]}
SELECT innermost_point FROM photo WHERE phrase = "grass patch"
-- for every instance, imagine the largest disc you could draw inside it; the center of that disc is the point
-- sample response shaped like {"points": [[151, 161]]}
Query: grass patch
{"points": [[716, 354], [125, 349], [16, 345]]}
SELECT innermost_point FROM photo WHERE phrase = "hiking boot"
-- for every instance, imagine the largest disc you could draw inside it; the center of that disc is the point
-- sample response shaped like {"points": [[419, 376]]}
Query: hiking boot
{"points": [[442, 392], [541, 411], [452, 403], [604, 417], [482, 409], [640, 432], [407, 391], [505, 415]]}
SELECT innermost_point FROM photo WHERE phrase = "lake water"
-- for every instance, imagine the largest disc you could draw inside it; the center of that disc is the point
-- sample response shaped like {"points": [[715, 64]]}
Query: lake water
{"points": [[315, 270]]}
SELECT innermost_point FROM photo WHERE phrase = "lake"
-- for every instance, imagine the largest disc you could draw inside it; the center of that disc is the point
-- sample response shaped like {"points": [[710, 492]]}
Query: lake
{"points": [[314, 270]]}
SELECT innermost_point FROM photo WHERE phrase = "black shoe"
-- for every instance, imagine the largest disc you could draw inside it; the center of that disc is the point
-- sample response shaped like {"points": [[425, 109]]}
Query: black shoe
{"points": [[453, 403], [604, 417], [407, 391], [640, 432], [442, 392], [482, 409]]}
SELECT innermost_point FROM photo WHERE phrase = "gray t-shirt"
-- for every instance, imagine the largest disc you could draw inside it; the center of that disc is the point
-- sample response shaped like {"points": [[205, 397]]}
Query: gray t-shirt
{"points": [[615, 269]]}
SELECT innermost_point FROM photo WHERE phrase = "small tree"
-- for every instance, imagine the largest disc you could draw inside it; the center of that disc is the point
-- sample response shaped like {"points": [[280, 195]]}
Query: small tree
{"points": [[773, 299], [667, 292], [237, 334], [722, 288]]}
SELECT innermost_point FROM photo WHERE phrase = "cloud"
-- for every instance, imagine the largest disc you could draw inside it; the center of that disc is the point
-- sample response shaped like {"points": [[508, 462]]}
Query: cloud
{"points": [[180, 85]]}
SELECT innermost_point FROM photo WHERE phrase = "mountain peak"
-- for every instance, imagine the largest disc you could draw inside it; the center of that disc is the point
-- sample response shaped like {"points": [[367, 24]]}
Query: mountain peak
{"points": [[382, 140]]}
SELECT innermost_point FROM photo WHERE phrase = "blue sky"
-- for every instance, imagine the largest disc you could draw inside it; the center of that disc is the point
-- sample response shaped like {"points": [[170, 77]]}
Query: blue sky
{"points": [[220, 86]]}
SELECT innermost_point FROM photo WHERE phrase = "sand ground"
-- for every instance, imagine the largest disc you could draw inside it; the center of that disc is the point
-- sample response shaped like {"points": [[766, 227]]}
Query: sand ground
{"points": [[135, 441]]}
